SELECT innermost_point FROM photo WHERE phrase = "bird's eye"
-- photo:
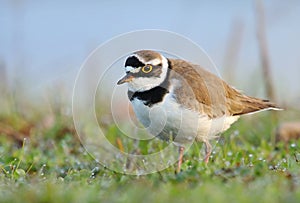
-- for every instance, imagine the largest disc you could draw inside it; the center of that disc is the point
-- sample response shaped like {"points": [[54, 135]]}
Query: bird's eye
{"points": [[147, 69]]}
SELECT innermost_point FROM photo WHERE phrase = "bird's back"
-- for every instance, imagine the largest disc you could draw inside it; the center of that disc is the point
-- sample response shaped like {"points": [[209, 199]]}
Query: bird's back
{"points": [[205, 92]]}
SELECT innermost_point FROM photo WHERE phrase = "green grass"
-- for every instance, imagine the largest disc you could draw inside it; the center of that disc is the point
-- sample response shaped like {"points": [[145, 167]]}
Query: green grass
{"points": [[50, 165]]}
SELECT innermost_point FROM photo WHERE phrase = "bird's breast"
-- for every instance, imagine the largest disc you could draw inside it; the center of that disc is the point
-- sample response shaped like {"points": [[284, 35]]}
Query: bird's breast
{"points": [[167, 119]]}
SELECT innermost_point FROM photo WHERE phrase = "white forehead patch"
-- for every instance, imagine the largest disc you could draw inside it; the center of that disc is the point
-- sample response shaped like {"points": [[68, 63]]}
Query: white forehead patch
{"points": [[154, 62], [132, 69]]}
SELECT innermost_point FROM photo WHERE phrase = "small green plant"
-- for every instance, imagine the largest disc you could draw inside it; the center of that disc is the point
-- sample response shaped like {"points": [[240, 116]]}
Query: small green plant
{"points": [[51, 165]]}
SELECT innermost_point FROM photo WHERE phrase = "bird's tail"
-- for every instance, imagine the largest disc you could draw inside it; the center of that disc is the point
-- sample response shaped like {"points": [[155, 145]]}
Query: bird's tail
{"points": [[254, 105]]}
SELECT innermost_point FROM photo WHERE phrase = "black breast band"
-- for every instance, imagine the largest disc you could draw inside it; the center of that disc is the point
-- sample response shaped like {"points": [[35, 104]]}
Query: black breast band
{"points": [[154, 95]]}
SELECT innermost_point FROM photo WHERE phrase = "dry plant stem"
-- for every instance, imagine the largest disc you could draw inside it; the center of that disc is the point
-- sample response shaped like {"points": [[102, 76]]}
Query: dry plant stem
{"points": [[263, 48], [120, 144], [233, 47], [264, 56], [3, 76]]}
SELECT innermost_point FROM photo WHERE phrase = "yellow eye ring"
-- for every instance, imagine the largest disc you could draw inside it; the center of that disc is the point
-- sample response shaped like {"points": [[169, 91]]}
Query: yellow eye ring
{"points": [[147, 69]]}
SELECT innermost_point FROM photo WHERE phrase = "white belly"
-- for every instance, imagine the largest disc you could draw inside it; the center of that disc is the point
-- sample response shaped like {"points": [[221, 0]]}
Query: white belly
{"points": [[168, 120]]}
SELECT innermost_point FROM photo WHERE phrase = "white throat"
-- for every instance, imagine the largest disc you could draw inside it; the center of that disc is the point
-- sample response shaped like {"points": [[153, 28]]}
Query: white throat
{"points": [[144, 83]]}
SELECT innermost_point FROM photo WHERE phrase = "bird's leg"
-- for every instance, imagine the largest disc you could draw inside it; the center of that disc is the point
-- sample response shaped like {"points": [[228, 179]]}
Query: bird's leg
{"points": [[208, 150], [181, 150]]}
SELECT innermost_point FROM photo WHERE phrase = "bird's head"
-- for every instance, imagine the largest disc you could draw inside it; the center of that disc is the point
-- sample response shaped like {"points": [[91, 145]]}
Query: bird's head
{"points": [[145, 70]]}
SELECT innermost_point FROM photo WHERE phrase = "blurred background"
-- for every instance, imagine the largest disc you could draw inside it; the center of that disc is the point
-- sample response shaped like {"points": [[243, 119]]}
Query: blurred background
{"points": [[43, 44], [255, 45]]}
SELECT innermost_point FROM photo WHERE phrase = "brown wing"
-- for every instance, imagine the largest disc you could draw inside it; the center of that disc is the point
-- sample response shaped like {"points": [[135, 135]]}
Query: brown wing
{"points": [[205, 92]]}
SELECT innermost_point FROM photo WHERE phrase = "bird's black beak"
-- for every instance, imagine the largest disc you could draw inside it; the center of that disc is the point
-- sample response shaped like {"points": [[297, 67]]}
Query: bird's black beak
{"points": [[126, 78]]}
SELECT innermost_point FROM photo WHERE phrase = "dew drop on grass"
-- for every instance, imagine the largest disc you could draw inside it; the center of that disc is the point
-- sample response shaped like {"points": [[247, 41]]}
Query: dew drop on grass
{"points": [[191, 138], [61, 179], [140, 172], [119, 156], [219, 172], [250, 155], [78, 163], [229, 153], [293, 145], [96, 170]]}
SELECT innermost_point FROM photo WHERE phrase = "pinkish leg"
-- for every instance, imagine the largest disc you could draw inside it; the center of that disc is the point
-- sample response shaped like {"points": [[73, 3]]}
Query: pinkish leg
{"points": [[181, 150], [208, 150]]}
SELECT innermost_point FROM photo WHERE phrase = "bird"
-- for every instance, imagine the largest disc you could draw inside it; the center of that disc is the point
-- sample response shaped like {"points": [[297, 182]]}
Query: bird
{"points": [[181, 102]]}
